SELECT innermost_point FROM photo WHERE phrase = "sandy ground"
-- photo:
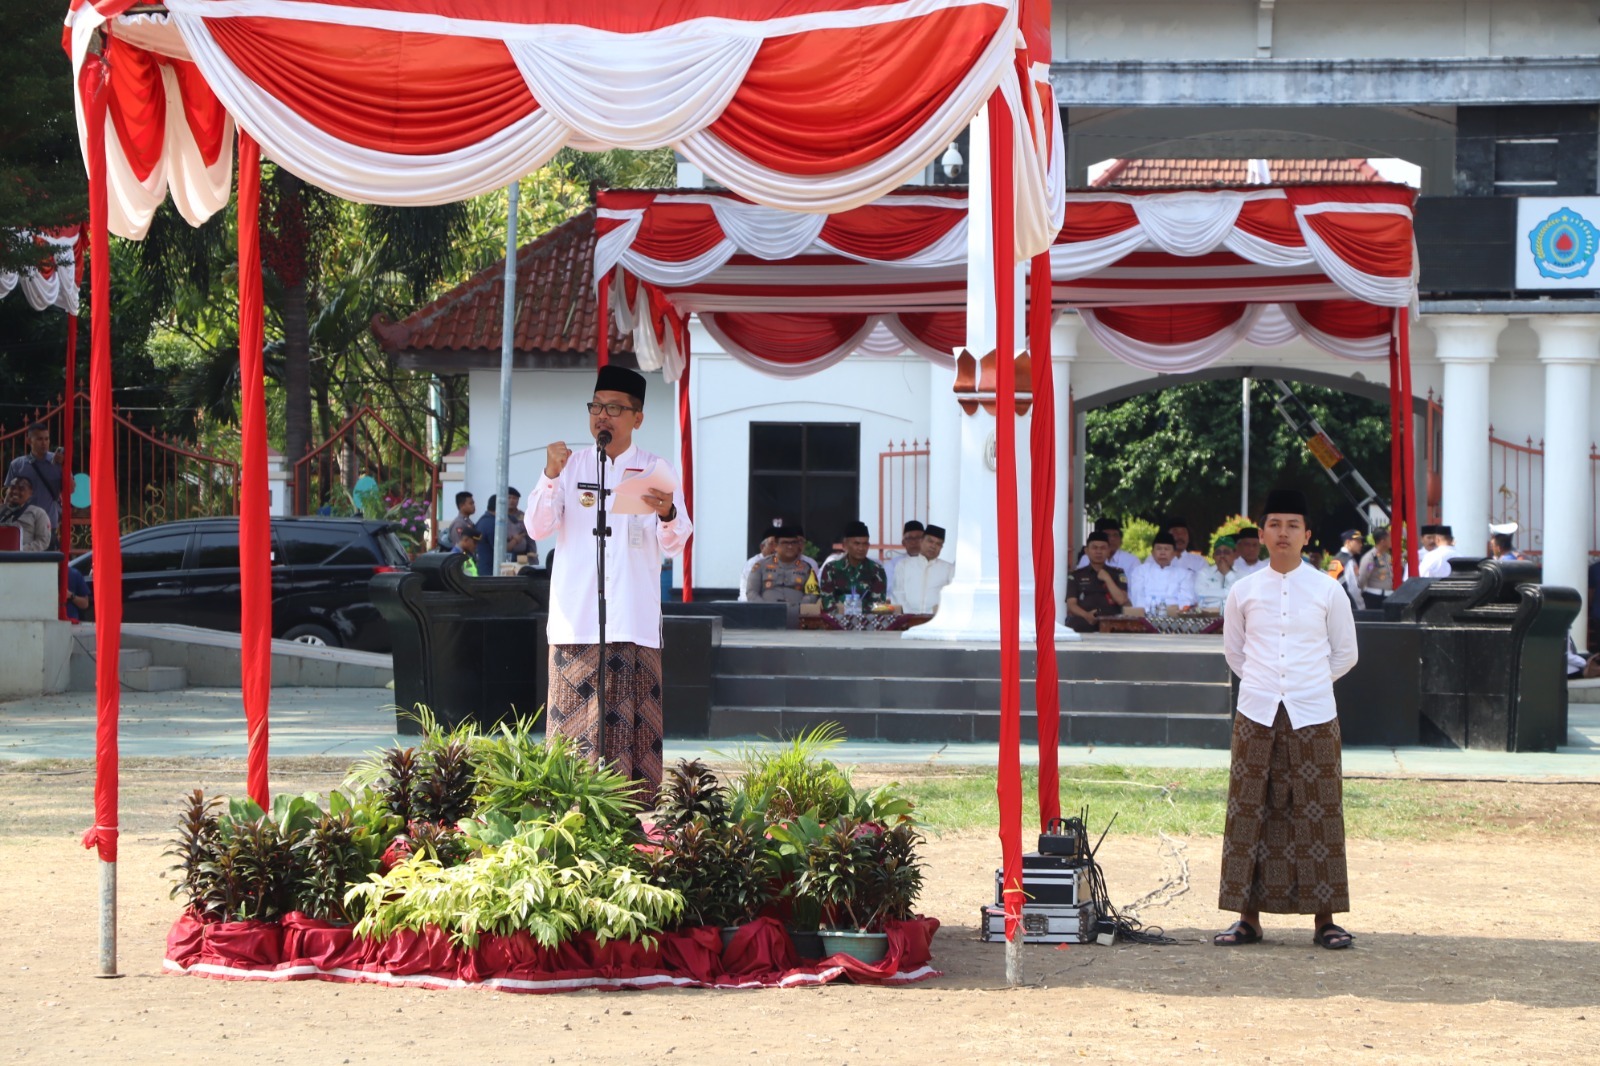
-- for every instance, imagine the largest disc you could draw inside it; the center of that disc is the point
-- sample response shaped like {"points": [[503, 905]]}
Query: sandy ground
{"points": [[1471, 948]]}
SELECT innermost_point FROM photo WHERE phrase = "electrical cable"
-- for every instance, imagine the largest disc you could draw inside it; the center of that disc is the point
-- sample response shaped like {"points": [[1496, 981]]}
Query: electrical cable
{"points": [[1107, 918]]}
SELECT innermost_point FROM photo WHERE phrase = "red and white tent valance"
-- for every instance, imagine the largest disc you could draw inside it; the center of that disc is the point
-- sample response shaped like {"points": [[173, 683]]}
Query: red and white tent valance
{"points": [[1168, 281], [430, 101], [53, 283]]}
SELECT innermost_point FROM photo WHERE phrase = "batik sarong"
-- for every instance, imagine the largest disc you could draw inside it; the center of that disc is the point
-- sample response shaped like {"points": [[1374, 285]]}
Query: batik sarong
{"points": [[1283, 847], [633, 707]]}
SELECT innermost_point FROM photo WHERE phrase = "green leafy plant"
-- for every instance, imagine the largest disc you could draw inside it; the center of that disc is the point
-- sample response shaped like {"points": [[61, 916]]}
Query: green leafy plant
{"points": [[443, 844], [444, 791], [515, 770], [714, 852], [689, 790], [253, 874], [195, 848], [796, 778], [862, 875], [539, 881]]}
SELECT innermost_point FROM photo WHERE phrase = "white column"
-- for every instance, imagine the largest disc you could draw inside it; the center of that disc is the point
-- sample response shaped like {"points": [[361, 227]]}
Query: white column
{"points": [[1569, 346], [944, 454], [969, 607], [1064, 350], [277, 483], [1466, 345]]}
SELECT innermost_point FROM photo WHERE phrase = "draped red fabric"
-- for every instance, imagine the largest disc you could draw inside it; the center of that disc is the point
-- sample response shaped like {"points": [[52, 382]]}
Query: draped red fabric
{"points": [[1094, 220], [140, 114], [94, 90], [408, 93], [1408, 454], [790, 339], [888, 233], [1171, 323], [1397, 519], [943, 330], [204, 114], [69, 418], [1349, 319], [904, 73], [687, 231], [603, 323], [1271, 220], [686, 450], [1046, 675], [1009, 781], [255, 522], [1377, 244]]}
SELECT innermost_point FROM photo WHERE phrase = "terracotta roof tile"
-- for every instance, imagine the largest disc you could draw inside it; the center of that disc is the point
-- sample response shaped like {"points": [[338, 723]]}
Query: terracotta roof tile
{"points": [[1184, 173], [556, 307]]}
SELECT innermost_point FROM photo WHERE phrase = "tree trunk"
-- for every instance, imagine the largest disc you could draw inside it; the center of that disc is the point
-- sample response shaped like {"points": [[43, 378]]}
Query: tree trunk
{"points": [[297, 386]]}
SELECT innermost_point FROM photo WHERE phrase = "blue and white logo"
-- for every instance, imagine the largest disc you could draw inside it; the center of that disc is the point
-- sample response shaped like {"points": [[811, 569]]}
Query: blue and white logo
{"points": [[1564, 245]]}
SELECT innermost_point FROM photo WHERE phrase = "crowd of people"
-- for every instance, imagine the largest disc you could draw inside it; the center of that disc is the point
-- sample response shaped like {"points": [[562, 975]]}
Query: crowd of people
{"points": [[848, 580], [473, 535]]}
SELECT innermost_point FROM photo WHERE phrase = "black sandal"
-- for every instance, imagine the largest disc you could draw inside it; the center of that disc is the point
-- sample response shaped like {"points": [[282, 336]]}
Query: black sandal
{"points": [[1333, 938], [1236, 934]]}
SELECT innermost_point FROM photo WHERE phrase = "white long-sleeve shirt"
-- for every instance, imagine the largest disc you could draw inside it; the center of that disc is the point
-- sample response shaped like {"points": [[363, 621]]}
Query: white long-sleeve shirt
{"points": [[566, 508], [1288, 637], [1122, 559], [1436, 562], [918, 582], [1211, 587], [1151, 583]]}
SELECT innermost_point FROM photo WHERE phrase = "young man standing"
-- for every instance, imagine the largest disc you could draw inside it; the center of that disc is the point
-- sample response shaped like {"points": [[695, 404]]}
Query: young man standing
{"points": [[42, 468], [564, 505], [1289, 636], [466, 507]]}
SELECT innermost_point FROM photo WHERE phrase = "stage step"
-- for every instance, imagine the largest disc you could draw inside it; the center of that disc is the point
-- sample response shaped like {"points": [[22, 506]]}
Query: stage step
{"points": [[1144, 691]]}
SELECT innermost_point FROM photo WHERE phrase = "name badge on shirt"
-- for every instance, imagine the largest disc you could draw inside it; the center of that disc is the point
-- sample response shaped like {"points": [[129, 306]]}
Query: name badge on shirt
{"points": [[635, 533]]}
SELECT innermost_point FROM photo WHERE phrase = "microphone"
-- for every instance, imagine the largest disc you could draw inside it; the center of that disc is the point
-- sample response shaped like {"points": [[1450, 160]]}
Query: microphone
{"points": [[603, 438]]}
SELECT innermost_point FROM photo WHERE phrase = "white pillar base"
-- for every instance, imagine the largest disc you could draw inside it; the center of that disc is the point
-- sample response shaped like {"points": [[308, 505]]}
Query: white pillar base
{"points": [[971, 613]]}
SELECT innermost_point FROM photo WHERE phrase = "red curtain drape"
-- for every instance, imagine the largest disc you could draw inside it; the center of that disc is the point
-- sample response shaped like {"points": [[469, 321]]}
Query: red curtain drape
{"points": [[680, 326], [1348, 319], [886, 233], [1171, 323], [602, 325], [1047, 690], [93, 88], [1408, 454], [255, 521], [1009, 782], [790, 339], [1397, 500]]}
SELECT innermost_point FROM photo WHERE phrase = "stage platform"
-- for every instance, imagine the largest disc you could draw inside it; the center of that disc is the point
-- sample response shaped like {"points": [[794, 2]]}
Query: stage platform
{"points": [[1120, 689]]}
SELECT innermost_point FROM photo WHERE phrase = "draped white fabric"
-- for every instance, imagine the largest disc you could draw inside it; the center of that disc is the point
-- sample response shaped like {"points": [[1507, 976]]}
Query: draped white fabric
{"points": [[1367, 348], [57, 288], [1261, 325], [879, 335]]}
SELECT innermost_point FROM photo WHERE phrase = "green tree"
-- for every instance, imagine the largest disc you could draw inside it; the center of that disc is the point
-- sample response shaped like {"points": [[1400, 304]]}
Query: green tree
{"points": [[42, 183], [1178, 451]]}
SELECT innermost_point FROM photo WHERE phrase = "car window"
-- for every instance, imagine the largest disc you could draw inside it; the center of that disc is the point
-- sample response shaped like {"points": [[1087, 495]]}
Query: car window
{"points": [[311, 544], [218, 550], [358, 552], [164, 551], [389, 546]]}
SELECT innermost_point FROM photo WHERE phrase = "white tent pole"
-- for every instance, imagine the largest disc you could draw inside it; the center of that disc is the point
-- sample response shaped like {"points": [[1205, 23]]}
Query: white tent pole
{"points": [[508, 321], [1244, 461]]}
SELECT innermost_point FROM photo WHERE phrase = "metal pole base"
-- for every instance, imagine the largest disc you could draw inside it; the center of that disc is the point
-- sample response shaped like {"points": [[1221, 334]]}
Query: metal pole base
{"points": [[1014, 961], [108, 920]]}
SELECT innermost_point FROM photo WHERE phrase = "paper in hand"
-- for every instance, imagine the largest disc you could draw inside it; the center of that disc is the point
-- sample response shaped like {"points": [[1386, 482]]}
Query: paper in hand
{"points": [[628, 495]]}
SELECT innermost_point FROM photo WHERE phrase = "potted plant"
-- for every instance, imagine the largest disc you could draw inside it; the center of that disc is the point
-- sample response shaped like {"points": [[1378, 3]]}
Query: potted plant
{"points": [[862, 875]]}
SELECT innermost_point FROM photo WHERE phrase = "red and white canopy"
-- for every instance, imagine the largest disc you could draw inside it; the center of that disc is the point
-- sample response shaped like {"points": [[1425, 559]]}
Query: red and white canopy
{"points": [[806, 105], [1168, 281], [53, 282]]}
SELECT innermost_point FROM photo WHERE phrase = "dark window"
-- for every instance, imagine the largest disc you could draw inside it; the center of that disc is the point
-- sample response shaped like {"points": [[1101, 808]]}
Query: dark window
{"points": [[805, 471], [148, 555], [218, 550], [311, 544], [358, 552], [389, 546]]}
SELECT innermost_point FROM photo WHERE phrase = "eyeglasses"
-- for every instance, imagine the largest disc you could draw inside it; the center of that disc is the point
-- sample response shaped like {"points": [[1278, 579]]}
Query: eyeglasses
{"points": [[613, 409]]}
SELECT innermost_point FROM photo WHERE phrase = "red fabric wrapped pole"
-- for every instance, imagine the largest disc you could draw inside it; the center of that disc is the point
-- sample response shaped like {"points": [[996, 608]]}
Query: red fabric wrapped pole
{"points": [[1047, 690], [104, 532], [1009, 783], [680, 326], [1408, 454], [255, 521], [602, 343], [1396, 478], [69, 420]]}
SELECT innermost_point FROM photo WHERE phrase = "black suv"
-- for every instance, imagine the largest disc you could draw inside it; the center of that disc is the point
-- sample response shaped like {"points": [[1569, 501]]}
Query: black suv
{"points": [[187, 573]]}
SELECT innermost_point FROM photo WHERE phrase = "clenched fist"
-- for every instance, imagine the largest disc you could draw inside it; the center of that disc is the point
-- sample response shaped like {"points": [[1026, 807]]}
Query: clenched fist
{"points": [[555, 461]]}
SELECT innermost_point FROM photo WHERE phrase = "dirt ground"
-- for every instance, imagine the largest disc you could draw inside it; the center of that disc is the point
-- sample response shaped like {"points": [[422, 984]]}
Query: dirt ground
{"points": [[1471, 948]]}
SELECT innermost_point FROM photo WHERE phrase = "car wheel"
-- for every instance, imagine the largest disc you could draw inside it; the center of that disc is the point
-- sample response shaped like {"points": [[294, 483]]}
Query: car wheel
{"points": [[316, 636]]}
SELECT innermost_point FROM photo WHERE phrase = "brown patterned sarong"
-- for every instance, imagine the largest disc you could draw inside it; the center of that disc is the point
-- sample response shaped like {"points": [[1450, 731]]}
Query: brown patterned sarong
{"points": [[1283, 847], [633, 706]]}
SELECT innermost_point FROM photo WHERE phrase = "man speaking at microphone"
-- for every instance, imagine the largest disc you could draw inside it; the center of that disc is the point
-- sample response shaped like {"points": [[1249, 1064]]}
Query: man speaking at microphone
{"points": [[564, 504]]}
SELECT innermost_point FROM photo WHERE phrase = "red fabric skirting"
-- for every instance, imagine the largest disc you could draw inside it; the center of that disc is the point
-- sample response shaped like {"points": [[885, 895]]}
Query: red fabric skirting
{"points": [[304, 949]]}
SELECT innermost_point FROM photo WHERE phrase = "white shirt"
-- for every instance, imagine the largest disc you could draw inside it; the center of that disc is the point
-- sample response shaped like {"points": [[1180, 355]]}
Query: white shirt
{"points": [[1191, 561], [1151, 583], [1244, 569], [890, 564], [1211, 587], [1436, 562], [633, 554], [1122, 559], [918, 582], [1289, 637]]}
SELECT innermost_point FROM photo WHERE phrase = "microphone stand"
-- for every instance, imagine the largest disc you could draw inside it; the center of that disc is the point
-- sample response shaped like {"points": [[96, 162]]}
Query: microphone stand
{"points": [[601, 532]]}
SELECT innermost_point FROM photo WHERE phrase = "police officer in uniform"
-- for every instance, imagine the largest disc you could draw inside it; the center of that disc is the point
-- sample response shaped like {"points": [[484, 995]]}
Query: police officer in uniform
{"points": [[782, 576], [1096, 589]]}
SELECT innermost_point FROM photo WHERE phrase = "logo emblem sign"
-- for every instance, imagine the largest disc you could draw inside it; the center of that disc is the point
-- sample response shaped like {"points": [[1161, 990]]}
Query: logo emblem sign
{"points": [[587, 499], [1564, 245]]}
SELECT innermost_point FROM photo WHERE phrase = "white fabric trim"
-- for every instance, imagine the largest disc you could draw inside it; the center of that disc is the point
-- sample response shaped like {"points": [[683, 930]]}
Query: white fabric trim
{"points": [[766, 232], [913, 343], [787, 371], [152, 32], [198, 191], [1171, 358], [1366, 349], [634, 92], [1273, 329], [1189, 225], [1386, 292], [60, 289]]}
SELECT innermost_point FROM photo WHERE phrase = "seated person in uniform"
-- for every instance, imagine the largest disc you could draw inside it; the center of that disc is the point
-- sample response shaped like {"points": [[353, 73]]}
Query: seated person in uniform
{"points": [[919, 579], [467, 540], [853, 572], [1160, 580], [1211, 585], [782, 576], [764, 551], [1096, 590]]}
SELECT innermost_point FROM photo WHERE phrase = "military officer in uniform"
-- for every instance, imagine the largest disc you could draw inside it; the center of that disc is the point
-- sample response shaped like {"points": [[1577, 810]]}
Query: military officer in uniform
{"points": [[1095, 590]]}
